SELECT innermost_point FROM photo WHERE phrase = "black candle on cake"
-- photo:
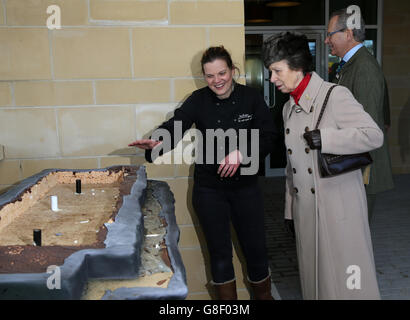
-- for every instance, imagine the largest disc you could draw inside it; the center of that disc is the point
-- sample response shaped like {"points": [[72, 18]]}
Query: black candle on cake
{"points": [[37, 237]]}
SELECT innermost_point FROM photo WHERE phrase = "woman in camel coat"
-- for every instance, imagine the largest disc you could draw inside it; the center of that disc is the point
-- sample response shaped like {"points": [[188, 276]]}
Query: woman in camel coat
{"points": [[333, 241]]}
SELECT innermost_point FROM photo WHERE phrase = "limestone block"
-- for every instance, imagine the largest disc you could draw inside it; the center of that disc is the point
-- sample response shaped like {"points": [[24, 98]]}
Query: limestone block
{"points": [[26, 52], [29, 133], [124, 160], [132, 91], [195, 269], [168, 52], [129, 10], [199, 275], [34, 12], [160, 170], [150, 116], [191, 236], [5, 94], [182, 190], [207, 12], [184, 87], [53, 93], [32, 167], [91, 131], [91, 53], [233, 39], [2, 20], [9, 172], [184, 170]]}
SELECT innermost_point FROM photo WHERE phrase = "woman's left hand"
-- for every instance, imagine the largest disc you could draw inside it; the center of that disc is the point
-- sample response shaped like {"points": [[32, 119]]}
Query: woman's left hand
{"points": [[313, 139], [230, 164]]}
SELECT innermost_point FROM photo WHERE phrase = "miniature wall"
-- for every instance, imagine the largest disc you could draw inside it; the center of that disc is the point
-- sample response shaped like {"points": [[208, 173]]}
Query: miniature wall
{"points": [[396, 67], [75, 97]]}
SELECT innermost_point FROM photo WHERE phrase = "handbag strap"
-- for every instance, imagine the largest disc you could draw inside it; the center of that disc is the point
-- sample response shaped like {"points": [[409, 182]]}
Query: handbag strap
{"points": [[324, 105]]}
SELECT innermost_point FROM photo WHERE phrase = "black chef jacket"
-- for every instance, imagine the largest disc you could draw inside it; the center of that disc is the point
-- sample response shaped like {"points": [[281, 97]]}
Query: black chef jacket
{"points": [[243, 109]]}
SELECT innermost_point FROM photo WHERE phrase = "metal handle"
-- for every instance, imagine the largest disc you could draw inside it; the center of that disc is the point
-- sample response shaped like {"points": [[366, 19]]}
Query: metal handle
{"points": [[272, 95]]}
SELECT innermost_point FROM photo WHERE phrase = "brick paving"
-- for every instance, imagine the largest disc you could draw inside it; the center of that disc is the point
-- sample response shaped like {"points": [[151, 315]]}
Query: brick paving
{"points": [[390, 229]]}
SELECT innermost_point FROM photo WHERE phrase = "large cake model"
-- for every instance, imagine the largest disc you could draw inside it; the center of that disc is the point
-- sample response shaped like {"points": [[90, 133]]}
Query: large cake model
{"points": [[64, 231]]}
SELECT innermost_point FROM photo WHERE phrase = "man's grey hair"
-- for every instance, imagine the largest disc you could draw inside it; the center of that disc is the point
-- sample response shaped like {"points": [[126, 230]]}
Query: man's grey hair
{"points": [[358, 34]]}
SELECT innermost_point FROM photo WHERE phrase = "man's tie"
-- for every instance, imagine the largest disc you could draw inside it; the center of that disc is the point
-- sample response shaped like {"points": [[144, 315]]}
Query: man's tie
{"points": [[341, 64]]}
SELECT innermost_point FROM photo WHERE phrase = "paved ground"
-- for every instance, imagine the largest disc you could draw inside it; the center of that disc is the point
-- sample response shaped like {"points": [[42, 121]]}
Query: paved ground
{"points": [[390, 230]]}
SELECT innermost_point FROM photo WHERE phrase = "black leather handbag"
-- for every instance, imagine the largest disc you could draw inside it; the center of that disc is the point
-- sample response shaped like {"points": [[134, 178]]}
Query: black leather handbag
{"points": [[332, 165]]}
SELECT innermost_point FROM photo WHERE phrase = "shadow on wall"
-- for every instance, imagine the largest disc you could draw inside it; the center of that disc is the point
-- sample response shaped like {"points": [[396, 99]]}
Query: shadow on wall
{"points": [[196, 69], [404, 132]]}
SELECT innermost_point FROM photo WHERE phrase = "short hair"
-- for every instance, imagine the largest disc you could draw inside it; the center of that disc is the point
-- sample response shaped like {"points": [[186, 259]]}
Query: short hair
{"points": [[358, 34], [213, 53], [290, 46]]}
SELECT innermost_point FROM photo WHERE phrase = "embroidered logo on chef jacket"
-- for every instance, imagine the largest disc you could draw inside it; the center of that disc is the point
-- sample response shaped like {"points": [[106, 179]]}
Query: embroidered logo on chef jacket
{"points": [[245, 117]]}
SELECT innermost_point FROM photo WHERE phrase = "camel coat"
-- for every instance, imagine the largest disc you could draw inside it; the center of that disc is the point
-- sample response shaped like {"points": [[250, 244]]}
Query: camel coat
{"points": [[334, 247]]}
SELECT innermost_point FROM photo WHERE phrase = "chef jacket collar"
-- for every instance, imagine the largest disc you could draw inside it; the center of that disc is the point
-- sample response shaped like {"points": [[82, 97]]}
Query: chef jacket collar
{"points": [[232, 96]]}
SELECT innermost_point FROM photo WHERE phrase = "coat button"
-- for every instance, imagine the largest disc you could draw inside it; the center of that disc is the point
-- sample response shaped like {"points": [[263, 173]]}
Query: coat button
{"points": [[290, 151], [294, 170], [310, 170], [306, 129], [307, 150], [233, 102], [296, 190], [217, 103], [312, 190], [219, 121], [287, 131]]}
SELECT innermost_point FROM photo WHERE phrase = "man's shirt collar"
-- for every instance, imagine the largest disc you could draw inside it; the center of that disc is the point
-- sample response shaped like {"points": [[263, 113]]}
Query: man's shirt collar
{"points": [[351, 52]]}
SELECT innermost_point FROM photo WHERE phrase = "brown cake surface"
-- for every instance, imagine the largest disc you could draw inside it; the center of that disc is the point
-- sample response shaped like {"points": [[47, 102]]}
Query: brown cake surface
{"points": [[78, 225]]}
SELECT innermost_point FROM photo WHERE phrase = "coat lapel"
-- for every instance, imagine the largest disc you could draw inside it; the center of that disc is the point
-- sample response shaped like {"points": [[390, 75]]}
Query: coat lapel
{"points": [[308, 97], [311, 92]]}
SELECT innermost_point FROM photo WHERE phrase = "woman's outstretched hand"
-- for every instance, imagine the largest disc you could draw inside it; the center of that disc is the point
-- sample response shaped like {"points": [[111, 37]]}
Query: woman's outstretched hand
{"points": [[145, 144], [230, 164]]}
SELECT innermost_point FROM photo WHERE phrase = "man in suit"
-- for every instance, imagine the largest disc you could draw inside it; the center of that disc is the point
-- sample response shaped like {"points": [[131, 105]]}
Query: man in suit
{"points": [[360, 72]]}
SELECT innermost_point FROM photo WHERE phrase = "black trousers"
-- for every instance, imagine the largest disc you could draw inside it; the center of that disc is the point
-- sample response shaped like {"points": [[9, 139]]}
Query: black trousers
{"points": [[216, 208]]}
